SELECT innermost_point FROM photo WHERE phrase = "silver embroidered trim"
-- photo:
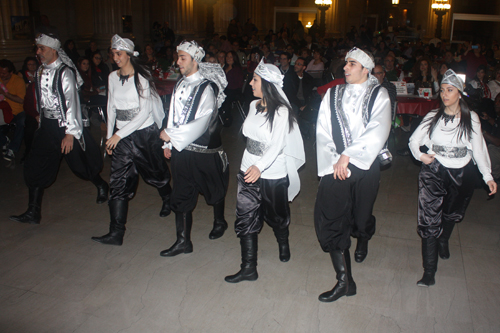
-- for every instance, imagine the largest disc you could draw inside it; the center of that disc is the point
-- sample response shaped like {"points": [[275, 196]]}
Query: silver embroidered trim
{"points": [[127, 114], [341, 117], [450, 152], [183, 117], [256, 148], [201, 149], [51, 114]]}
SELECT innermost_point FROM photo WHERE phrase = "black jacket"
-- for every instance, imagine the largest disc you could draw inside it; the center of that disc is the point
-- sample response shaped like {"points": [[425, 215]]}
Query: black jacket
{"points": [[291, 84]]}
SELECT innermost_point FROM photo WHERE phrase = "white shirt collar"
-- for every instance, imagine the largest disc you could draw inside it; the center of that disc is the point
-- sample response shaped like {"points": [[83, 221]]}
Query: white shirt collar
{"points": [[53, 65], [359, 86], [193, 77]]}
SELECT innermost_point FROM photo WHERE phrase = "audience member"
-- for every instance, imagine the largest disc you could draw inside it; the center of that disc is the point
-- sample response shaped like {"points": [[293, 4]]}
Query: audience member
{"points": [[100, 73], [268, 55], [29, 70], [221, 58], [14, 92], [379, 73], [316, 64], [391, 72], [234, 76], [474, 59], [71, 51], [494, 85], [91, 50]]}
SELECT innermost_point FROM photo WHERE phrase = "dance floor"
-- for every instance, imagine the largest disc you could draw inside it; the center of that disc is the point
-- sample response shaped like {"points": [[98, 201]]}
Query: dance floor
{"points": [[53, 278]]}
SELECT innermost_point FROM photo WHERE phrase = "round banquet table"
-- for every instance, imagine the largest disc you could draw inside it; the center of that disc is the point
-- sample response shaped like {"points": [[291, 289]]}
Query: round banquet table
{"points": [[416, 106]]}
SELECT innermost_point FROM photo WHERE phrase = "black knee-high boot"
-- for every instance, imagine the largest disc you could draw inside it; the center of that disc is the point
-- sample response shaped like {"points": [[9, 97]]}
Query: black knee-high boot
{"points": [[248, 271], [345, 286], [283, 245], [165, 197], [34, 213], [183, 224], [430, 260], [220, 224], [443, 240], [102, 189], [118, 210]]}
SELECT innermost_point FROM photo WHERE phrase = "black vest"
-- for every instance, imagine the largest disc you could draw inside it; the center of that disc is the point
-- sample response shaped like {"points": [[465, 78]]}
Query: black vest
{"points": [[211, 139]]}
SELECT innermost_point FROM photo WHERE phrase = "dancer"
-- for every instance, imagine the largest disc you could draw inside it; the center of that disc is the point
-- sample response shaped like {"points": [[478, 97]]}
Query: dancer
{"points": [[56, 87], [353, 125], [446, 180], [199, 163], [135, 109], [268, 176]]}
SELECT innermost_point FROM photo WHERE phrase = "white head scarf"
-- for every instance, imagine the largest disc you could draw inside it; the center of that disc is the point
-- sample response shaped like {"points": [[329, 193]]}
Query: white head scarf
{"points": [[365, 60], [123, 44], [294, 147], [451, 78], [214, 73], [55, 44], [193, 49], [272, 74]]}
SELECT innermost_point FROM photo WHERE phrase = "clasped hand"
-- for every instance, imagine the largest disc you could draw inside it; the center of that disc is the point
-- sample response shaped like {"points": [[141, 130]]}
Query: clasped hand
{"points": [[340, 168], [111, 143]]}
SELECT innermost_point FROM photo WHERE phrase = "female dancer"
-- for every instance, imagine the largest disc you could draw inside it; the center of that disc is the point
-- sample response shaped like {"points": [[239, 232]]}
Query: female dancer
{"points": [[446, 181], [268, 175], [133, 108]]}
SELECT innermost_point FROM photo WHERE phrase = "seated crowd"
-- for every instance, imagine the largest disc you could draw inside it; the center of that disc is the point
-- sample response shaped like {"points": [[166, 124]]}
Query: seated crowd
{"points": [[310, 65]]}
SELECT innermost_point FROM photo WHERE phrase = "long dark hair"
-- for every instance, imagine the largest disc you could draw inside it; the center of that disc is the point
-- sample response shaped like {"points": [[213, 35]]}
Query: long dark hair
{"points": [[465, 125], [140, 68], [236, 59], [274, 100]]}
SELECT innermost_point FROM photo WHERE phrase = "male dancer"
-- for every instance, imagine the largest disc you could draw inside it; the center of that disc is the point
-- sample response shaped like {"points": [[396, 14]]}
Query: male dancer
{"points": [[61, 132], [199, 163], [353, 125]]}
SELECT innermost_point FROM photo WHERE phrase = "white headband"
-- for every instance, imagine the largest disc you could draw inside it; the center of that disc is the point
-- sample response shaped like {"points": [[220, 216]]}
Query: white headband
{"points": [[123, 44], [451, 78], [193, 49], [270, 73], [45, 40], [362, 57]]}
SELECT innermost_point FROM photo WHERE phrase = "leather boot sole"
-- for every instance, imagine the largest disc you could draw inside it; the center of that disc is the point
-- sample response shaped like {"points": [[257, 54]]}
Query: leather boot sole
{"points": [[25, 219], [218, 231], [238, 277], [174, 250], [109, 240], [331, 296], [427, 280]]}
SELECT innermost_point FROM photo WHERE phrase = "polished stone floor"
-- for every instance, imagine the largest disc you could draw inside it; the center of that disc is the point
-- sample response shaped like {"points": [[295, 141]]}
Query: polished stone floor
{"points": [[53, 278]]}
